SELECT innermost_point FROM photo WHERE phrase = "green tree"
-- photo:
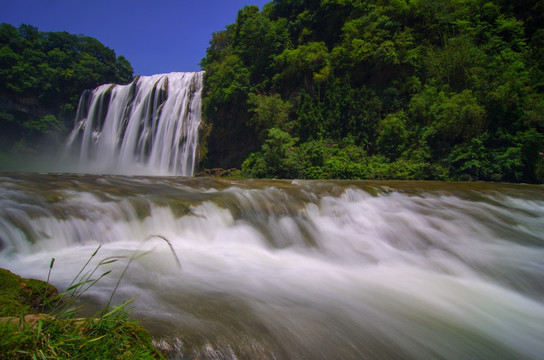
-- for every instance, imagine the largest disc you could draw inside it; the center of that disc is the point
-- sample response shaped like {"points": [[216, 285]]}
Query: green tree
{"points": [[269, 112], [532, 149], [448, 89], [392, 135], [305, 64], [227, 82], [45, 73], [46, 125], [472, 161], [277, 150], [276, 158]]}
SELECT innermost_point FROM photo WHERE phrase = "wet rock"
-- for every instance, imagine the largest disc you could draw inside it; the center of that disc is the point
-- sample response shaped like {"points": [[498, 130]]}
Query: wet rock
{"points": [[216, 172]]}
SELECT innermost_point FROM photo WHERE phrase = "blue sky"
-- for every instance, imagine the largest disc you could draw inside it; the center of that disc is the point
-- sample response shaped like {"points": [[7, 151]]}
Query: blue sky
{"points": [[157, 36]]}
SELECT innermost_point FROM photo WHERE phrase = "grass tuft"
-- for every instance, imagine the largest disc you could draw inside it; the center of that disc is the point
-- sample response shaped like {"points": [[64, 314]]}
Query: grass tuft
{"points": [[25, 333], [111, 337]]}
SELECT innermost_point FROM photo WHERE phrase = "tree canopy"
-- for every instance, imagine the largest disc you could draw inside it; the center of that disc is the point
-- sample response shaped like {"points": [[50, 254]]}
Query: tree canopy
{"points": [[42, 76], [399, 89]]}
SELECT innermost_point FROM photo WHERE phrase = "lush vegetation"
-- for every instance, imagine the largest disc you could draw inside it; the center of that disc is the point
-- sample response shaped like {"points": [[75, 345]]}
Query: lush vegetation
{"points": [[403, 89], [23, 296], [42, 76], [45, 337], [25, 334]]}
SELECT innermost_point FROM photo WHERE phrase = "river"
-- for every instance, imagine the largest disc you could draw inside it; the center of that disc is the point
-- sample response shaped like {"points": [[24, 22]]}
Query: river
{"points": [[274, 269]]}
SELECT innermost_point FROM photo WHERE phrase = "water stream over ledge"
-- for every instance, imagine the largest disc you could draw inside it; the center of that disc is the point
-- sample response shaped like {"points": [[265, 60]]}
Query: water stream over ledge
{"points": [[148, 127], [298, 269]]}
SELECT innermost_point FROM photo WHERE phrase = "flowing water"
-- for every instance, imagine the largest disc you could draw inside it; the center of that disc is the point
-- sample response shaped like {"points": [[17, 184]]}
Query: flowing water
{"points": [[147, 127], [297, 269]]}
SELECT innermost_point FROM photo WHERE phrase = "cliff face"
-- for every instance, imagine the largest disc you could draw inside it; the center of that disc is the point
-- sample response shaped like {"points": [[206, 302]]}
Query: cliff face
{"points": [[228, 141], [228, 149], [16, 112], [24, 106]]}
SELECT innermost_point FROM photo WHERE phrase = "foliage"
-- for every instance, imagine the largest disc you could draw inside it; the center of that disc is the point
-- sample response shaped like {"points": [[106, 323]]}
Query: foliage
{"points": [[47, 124], [110, 334], [112, 337], [18, 295], [42, 75], [276, 159], [423, 90], [269, 111], [25, 336]]}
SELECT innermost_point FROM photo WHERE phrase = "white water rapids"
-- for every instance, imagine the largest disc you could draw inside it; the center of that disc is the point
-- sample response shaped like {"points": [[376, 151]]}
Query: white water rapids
{"points": [[297, 269]]}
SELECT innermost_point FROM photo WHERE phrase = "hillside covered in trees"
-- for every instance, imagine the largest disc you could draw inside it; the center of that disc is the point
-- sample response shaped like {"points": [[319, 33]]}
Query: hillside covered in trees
{"points": [[379, 89], [42, 76]]}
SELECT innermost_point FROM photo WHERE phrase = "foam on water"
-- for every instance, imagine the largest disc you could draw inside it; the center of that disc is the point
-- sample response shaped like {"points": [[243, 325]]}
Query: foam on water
{"points": [[298, 270]]}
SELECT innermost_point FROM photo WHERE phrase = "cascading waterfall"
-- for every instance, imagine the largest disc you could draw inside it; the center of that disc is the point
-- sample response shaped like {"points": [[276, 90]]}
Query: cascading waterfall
{"points": [[297, 269], [149, 127]]}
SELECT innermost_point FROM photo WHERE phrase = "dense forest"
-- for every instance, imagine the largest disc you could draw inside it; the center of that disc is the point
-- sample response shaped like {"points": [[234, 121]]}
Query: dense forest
{"points": [[42, 76], [379, 89], [358, 89]]}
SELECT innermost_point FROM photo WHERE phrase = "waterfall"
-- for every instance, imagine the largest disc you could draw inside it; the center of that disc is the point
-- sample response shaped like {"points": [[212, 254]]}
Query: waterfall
{"points": [[147, 127]]}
